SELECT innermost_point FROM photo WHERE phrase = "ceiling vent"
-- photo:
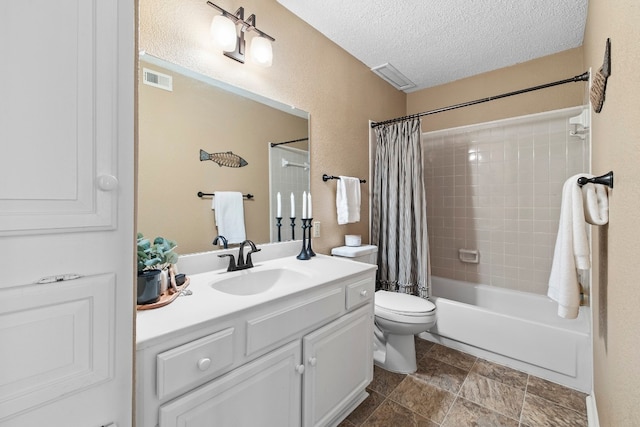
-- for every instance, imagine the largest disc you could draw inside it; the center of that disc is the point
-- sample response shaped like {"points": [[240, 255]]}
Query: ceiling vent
{"points": [[156, 79], [393, 76]]}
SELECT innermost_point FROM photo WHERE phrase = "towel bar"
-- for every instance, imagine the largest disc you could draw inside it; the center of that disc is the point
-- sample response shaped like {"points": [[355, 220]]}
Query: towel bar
{"points": [[246, 196], [326, 178], [606, 179]]}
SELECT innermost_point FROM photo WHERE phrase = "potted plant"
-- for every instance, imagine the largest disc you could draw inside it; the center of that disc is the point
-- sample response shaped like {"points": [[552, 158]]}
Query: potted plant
{"points": [[152, 259]]}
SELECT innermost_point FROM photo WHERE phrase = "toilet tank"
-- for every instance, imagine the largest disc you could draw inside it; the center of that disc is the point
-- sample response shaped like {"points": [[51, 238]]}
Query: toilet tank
{"points": [[365, 253]]}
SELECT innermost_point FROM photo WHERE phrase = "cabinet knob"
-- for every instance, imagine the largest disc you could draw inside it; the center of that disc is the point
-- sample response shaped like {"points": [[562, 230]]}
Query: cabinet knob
{"points": [[363, 293], [204, 363], [313, 361], [300, 369], [107, 182]]}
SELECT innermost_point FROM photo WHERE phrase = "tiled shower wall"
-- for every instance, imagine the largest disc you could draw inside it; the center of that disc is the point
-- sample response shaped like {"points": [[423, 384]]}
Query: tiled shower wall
{"points": [[287, 180], [496, 188]]}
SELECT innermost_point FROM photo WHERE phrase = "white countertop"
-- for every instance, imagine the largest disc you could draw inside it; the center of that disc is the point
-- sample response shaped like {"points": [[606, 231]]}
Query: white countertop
{"points": [[206, 304]]}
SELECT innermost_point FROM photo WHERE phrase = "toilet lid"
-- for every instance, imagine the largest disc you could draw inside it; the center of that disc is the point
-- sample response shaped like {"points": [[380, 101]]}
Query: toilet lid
{"points": [[403, 303]]}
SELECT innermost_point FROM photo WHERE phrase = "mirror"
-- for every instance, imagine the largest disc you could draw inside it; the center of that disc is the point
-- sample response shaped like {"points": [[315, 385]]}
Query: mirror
{"points": [[180, 113]]}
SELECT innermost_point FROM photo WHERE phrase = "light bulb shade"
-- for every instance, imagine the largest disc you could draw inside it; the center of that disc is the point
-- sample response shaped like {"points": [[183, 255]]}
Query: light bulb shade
{"points": [[261, 51], [223, 33]]}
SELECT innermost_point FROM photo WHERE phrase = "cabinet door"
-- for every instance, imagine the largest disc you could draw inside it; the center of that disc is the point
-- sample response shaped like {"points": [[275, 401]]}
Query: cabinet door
{"points": [[339, 365], [265, 393]]}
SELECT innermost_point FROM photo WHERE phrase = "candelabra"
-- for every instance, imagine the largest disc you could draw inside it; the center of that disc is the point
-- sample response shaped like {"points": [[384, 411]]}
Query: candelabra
{"points": [[306, 252], [293, 228], [279, 224]]}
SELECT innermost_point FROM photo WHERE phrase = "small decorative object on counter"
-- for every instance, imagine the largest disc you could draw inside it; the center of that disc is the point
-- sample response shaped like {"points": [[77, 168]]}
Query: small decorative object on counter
{"points": [[306, 252], [177, 286], [153, 259], [309, 250]]}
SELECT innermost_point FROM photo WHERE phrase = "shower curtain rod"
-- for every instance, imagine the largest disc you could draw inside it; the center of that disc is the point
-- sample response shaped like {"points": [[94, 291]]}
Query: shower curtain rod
{"points": [[581, 78], [273, 144]]}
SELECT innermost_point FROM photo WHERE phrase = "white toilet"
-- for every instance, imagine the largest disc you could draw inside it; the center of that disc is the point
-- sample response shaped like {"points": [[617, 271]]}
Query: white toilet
{"points": [[398, 317]]}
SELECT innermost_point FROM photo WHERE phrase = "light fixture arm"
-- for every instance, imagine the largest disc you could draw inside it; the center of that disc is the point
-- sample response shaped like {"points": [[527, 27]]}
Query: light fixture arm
{"points": [[238, 19]]}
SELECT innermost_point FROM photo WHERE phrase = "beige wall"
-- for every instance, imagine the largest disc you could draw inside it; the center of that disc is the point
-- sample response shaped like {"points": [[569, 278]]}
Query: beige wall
{"points": [[550, 68], [308, 71], [173, 127], [616, 146]]}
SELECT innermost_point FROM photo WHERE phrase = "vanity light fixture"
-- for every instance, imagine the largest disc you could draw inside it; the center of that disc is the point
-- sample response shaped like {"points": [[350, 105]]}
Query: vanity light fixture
{"points": [[224, 34]]}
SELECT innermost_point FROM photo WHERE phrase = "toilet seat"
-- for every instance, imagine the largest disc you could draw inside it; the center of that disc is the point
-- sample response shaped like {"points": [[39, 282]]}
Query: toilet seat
{"points": [[405, 308]]}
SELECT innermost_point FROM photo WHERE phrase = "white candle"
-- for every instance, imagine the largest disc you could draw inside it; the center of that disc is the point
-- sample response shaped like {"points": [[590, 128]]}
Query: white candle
{"points": [[293, 206], [304, 205], [310, 214], [278, 206]]}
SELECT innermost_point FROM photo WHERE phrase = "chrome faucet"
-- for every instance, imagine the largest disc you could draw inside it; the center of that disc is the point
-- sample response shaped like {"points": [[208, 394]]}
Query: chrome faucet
{"points": [[243, 263], [225, 244]]}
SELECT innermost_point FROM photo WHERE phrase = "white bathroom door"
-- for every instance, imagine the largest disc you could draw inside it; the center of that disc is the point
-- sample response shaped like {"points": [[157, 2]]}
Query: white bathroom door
{"points": [[66, 212]]}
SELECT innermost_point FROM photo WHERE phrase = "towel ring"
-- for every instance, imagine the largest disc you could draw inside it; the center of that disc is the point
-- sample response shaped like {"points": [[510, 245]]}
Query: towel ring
{"points": [[606, 179]]}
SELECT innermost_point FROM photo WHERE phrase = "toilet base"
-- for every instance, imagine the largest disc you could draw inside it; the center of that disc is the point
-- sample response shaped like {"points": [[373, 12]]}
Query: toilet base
{"points": [[395, 353]]}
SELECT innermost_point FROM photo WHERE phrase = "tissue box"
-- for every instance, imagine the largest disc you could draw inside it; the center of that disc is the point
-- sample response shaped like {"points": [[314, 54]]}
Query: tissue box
{"points": [[352, 240]]}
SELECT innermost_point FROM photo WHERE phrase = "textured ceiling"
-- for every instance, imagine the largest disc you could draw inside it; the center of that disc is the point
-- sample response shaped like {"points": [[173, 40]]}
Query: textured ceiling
{"points": [[433, 42]]}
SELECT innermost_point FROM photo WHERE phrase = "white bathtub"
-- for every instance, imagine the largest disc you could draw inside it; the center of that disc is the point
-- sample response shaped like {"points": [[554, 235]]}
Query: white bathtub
{"points": [[517, 329]]}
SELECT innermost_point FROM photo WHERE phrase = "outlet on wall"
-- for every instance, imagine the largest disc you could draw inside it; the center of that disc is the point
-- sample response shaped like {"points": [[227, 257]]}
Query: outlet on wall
{"points": [[316, 228]]}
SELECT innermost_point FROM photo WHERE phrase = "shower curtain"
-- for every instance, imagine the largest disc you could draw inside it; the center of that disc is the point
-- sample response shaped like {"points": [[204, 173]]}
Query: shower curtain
{"points": [[399, 219]]}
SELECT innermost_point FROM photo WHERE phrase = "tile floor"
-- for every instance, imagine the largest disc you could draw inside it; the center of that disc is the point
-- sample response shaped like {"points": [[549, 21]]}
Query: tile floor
{"points": [[455, 389]]}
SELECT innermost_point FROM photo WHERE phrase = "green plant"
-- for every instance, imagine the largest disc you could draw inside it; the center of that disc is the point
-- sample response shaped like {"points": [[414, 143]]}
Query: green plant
{"points": [[157, 255]]}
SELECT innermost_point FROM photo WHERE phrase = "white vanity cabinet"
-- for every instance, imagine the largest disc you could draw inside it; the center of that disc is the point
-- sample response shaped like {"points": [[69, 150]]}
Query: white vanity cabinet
{"points": [[301, 360]]}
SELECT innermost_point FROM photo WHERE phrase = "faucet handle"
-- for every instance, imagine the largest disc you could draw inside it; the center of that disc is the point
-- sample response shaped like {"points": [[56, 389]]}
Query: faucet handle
{"points": [[232, 261]]}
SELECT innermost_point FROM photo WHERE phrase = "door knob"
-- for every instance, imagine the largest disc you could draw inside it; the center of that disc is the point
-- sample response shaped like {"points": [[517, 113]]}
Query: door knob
{"points": [[107, 182], [300, 369], [363, 293], [313, 361]]}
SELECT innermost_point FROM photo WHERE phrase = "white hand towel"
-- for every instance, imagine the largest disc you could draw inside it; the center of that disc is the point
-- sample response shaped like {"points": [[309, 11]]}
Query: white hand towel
{"points": [[571, 251], [229, 215], [348, 199], [596, 203]]}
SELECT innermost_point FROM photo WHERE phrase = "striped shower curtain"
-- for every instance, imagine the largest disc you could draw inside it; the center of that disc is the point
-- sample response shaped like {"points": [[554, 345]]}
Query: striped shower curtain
{"points": [[399, 219]]}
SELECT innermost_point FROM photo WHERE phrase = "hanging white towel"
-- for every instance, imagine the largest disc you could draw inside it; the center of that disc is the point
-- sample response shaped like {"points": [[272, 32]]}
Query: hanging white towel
{"points": [[596, 203], [229, 214], [572, 246], [348, 199]]}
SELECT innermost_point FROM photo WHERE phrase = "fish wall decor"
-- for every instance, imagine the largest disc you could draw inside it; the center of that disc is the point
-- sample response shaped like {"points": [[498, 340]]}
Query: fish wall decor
{"points": [[227, 159]]}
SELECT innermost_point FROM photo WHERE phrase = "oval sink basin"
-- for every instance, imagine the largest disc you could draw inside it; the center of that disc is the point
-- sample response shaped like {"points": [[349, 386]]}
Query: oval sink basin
{"points": [[253, 282]]}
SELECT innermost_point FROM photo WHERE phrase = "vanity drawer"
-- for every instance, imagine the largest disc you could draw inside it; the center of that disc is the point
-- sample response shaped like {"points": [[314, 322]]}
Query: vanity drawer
{"points": [[359, 292], [194, 363], [278, 326]]}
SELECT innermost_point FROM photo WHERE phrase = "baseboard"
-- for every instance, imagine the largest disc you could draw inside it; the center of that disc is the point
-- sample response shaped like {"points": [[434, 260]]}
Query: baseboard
{"points": [[592, 411]]}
